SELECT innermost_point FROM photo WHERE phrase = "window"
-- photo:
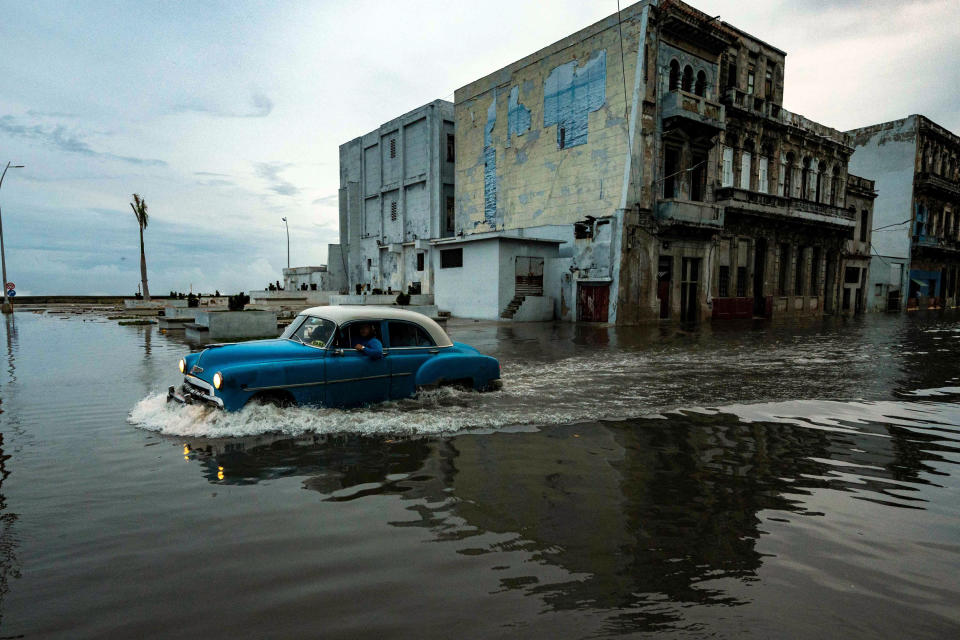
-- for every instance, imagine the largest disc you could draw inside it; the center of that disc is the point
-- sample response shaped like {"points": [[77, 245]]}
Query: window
{"points": [[313, 331], [727, 178], [798, 279], [805, 180], [407, 334], [784, 269], [768, 82], [878, 290], [732, 74], [451, 258], [788, 176], [393, 211], [851, 275], [313, 286], [741, 282], [393, 147], [688, 78], [751, 79], [698, 177], [369, 264], [349, 335], [420, 260], [674, 75], [701, 87], [746, 166], [671, 171], [451, 149], [864, 220], [762, 177], [450, 214], [723, 283]]}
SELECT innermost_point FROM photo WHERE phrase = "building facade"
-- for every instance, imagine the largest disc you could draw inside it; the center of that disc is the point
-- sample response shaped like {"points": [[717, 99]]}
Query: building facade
{"points": [[917, 212], [653, 147], [396, 193]]}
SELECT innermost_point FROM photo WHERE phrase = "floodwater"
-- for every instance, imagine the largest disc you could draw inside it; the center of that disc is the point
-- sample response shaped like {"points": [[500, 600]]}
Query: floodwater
{"points": [[734, 482]]}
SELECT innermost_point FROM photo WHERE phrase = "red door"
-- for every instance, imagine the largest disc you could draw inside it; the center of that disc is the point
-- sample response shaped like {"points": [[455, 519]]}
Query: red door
{"points": [[592, 302]]}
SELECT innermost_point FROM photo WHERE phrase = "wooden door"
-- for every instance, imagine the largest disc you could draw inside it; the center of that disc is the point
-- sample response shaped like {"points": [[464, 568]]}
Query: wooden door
{"points": [[592, 302]]}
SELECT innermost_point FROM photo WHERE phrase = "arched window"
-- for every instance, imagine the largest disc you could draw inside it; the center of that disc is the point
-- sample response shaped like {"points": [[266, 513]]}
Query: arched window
{"points": [[674, 75], [701, 87], [688, 78], [805, 180], [821, 177], [834, 185], [788, 175]]}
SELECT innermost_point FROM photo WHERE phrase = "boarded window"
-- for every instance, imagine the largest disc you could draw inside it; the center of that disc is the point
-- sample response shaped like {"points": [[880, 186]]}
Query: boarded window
{"points": [[451, 258]]}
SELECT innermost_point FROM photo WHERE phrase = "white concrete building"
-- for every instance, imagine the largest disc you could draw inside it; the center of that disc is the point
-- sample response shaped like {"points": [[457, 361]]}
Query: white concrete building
{"points": [[396, 193]]}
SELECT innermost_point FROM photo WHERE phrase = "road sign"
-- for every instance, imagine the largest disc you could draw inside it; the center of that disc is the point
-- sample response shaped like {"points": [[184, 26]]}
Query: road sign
{"points": [[11, 293], [11, 286]]}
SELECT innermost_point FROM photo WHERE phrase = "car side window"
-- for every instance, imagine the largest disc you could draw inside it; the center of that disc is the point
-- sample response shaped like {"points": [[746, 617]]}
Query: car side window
{"points": [[348, 336], [407, 334]]}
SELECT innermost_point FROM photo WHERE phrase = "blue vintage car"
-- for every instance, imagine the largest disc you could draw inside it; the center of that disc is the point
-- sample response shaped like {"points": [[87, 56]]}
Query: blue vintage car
{"points": [[316, 362]]}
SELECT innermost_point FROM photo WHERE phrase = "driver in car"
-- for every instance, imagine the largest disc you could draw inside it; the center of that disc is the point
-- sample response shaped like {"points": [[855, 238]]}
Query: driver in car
{"points": [[367, 342]]}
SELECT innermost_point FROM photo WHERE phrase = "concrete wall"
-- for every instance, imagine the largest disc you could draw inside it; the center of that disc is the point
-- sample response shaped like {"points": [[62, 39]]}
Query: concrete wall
{"points": [[470, 291], [392, 192]]}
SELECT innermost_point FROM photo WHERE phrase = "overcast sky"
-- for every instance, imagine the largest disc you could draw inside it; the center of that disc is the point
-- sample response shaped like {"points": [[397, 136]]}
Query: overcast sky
{"points": [[226, 116]]}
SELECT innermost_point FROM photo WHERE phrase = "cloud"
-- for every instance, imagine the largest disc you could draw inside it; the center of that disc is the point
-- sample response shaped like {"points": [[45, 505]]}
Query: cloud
{"points": [[59, 137], [270, 171], [328, 201], [260, 106]]}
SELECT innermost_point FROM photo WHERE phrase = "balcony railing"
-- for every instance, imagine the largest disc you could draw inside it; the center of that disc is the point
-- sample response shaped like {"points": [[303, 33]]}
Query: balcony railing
{"points": [[679, 104], [698, 214], [933, 242], [788, 207], [927, 180]]}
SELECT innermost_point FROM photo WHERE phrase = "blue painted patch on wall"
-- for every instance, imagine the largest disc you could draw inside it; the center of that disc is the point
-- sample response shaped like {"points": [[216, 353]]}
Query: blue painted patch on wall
{"points": [[570, 94]]}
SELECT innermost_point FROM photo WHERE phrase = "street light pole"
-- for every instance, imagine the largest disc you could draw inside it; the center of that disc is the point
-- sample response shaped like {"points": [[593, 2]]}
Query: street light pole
{"points": [[7, 303], [288, 240]]}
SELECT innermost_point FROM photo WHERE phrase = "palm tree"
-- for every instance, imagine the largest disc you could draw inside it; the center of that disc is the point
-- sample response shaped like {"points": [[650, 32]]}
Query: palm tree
{"points": [[139, 206]]}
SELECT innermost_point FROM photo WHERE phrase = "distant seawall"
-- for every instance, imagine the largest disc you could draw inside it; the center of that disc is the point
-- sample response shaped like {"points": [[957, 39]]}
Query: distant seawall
{"points": [[113, 300]]}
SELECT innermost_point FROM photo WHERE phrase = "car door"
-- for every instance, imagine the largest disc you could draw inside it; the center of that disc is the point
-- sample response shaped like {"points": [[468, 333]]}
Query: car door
{"points": [[352, 377], [410, 347]]}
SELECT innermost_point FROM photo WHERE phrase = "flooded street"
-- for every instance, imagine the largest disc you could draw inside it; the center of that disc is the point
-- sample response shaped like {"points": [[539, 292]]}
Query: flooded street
{"points": [[737, 481]]}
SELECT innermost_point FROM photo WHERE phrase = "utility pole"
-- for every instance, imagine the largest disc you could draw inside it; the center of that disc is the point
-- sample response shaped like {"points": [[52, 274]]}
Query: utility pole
{"points": [[288, 241], [7, 303]]}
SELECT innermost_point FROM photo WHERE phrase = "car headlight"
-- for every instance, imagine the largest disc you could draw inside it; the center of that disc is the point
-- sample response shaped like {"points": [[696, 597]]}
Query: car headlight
{"points": [[217, 380], [182, 365]]}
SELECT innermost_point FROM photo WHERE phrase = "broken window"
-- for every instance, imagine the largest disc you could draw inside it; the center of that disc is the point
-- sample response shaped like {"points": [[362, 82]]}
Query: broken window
{"points": [[451, 258], [723, 282], [451, 149], [420, 261], [450, 214], [671, 171]]}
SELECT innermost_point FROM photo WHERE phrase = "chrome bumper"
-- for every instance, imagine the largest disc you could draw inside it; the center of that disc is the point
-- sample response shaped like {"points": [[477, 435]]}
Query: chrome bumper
{"points": [[193, 391]]}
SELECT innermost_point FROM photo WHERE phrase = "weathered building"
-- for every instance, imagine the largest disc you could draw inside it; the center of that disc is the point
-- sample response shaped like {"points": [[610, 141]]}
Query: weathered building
{"points": [[916, 226], [653, 146], [396, 193]]}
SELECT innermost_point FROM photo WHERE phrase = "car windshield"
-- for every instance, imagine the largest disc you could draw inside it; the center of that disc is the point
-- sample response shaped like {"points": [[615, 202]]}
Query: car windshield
{"points": [[315, 332]]}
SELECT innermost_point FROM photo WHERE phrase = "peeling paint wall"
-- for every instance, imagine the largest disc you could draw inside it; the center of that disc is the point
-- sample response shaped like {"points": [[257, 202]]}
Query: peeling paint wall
{"points": [[572, 92], [490, 166], [518, 116]]}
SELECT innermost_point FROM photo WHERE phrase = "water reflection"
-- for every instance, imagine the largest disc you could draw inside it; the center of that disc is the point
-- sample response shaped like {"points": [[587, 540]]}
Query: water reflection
{"points": [[639, 513], [9, 566], [10, 326]]}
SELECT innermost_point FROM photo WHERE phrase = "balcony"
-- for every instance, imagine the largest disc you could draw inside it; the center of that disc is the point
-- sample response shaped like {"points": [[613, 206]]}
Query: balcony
{"points": [[683, 109], [936, 244], [774, 206], [931, 182], [692, 214], [771, 111]]}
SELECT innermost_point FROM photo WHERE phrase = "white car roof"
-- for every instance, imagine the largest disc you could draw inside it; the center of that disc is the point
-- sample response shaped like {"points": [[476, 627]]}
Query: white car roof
{"points": [[348, 313]]}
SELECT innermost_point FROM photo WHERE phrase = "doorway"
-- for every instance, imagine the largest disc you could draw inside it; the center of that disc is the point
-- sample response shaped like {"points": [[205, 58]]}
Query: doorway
{"points": [[529, 276], [759, 262], [593, 301], [689, 288]]}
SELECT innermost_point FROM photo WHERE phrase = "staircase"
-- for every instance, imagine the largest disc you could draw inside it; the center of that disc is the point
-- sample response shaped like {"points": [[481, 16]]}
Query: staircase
{"points": [[512, 308]]}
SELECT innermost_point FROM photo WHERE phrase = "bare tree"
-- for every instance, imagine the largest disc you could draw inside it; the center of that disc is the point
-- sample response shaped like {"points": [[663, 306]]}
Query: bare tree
{"points": [[139, 206]]}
